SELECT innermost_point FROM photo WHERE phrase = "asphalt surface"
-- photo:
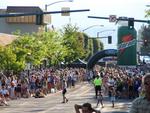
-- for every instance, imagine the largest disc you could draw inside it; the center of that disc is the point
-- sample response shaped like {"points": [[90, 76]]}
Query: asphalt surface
{"points": [[83, 92]]}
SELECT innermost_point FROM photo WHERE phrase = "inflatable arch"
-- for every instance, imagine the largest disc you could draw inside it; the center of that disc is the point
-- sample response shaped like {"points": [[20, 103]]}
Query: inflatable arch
{"points": [[104, 53]]}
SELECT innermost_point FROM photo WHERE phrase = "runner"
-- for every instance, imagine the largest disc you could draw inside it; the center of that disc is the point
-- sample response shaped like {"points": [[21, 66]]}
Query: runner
{"points": [[64, 91], [97, 84], [100, 99]]}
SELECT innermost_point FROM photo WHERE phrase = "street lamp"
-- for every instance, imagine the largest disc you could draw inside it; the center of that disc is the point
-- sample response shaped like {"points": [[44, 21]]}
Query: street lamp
{"points": [[92, 27], [46, 5]]}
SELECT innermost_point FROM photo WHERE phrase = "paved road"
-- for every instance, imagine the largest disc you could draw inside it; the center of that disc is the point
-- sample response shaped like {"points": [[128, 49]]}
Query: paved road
{"points": [[52, 103]]}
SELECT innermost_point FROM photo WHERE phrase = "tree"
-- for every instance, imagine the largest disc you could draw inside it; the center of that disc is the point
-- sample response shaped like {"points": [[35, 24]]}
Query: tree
{"points": [[28, 49], [8, 62], [55, 51], [72, 42], [96, 45], [87, 46], [91, 46], [145, 37]]}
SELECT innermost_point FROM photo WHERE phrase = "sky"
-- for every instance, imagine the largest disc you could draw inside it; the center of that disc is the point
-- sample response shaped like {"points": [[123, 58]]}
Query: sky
{"points": [[100, 8]]}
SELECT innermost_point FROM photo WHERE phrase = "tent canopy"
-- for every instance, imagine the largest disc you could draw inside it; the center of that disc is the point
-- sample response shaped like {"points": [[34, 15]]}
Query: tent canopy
{"points": [[77, 63]]}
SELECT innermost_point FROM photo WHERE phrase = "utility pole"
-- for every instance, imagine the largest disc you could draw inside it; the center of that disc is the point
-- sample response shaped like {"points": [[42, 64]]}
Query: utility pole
{"points": [[41, 13], [130, 20]]}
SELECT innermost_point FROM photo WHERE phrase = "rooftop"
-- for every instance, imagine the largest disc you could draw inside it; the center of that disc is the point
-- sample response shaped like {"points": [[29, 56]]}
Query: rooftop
{"points": [[6, 39]]}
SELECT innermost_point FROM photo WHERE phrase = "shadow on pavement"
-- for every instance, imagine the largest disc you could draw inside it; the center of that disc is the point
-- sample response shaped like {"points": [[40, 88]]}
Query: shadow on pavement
{"points": [[116, 112], [39, 110]]}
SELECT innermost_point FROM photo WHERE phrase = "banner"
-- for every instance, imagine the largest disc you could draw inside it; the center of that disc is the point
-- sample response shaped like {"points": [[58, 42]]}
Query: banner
{"points": [[127, 46]]}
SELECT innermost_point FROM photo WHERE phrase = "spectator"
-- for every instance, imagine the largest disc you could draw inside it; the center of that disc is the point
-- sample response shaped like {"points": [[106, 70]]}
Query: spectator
{"points": [[3, 101], [142, 104], [4, 92], [12, 92]]}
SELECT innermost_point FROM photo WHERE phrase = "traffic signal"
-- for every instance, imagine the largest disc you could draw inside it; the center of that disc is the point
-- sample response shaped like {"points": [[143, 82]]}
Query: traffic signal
{"points": [[145, 42], [109, 39], [131, 22]]}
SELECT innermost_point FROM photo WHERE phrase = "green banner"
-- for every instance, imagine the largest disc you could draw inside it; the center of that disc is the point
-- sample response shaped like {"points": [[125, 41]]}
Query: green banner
{"points": [[127, 46]]}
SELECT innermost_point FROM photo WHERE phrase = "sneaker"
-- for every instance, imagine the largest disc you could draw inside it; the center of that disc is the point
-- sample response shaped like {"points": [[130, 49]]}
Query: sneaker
{"points": [[66, 100], [5, 103]]}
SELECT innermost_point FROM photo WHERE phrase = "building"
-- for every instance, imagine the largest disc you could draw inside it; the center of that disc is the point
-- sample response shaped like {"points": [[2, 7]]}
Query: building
{"points": [[25, 24]]}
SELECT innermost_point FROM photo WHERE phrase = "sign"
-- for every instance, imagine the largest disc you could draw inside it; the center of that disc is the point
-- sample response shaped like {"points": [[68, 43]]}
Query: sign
{"points": [[112, 18], [127, 44], [127, 41], [65, 11]]}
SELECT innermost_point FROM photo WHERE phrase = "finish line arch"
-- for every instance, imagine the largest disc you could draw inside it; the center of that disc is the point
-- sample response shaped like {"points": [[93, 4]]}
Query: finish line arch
{"points": [[104, 53]]}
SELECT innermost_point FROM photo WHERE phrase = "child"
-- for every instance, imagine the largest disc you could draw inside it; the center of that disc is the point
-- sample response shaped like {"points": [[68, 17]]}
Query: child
{"points": [[100, 99]]}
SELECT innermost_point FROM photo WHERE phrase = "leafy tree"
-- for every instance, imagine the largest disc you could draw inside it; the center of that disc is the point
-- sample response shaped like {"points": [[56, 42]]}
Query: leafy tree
{"points": [[96, 45], [101, 47], [147, 15], [28, 49], [145, 34], [8, 60], [90, 46], [72, 42], [87, 49], [54, 49]]}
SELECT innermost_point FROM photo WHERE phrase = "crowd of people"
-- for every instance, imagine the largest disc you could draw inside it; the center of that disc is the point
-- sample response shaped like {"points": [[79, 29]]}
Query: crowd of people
{"points": [[38, 83], [119, 83], [116, 82], [125, 82]]}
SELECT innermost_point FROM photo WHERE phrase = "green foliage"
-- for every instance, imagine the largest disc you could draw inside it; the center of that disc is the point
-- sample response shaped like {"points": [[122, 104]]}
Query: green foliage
{"points": [[55, 50], [96, 45], [73, 42], [91, 46], [65, 45], [145, 35], [87, 49], [8, 60], [147, 13]]}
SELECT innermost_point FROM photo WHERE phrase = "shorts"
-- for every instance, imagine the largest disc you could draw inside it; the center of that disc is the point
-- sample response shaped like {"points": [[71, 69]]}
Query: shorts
{"points": [[64, 91], [112, 99]]}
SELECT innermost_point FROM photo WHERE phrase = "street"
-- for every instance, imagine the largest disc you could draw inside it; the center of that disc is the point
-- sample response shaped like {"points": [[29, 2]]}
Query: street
{"points": [[83, 92]]}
